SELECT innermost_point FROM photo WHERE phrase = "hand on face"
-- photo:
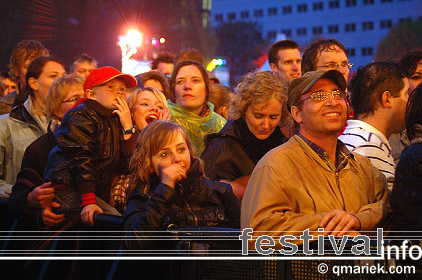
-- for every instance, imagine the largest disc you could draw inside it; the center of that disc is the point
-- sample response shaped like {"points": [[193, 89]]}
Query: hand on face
{"points": [[123, 112], [171, 174]]}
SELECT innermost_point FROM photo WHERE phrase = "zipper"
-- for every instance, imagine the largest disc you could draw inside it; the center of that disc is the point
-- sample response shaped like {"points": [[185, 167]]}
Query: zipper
{"points": [[188, 205]]}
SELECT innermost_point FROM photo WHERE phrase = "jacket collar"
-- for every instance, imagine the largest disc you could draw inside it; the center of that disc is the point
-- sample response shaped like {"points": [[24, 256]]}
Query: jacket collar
{"points": [[94, 105], [21, 114]]}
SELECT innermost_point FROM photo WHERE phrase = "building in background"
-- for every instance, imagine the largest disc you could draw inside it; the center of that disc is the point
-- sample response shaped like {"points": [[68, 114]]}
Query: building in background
{"points": [[358, 24]]}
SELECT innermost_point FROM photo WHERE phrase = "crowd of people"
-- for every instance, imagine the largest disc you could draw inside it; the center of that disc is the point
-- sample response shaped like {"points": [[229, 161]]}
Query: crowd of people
{"points": [[311, 144]]}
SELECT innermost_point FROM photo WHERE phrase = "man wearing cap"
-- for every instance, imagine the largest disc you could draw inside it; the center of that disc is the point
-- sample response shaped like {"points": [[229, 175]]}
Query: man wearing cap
{"points": [[313, 181], [88, 155]]}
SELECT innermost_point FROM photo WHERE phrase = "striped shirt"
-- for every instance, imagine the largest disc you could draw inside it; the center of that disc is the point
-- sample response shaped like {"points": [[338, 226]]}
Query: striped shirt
{"points": [[364, 139]]}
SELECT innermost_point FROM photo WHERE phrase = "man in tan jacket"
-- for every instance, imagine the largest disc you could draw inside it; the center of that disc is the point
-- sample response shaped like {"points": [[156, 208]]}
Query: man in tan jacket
{"points": [[313, 181]]}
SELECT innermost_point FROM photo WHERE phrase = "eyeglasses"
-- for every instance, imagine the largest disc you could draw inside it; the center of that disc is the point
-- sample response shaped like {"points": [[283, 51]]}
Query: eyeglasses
{"points": [[71, 100], [321, 95], [334, 65]]}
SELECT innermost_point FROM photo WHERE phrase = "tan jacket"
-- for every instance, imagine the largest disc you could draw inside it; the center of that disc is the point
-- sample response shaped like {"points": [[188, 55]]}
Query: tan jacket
{"points": [[291, 189]]}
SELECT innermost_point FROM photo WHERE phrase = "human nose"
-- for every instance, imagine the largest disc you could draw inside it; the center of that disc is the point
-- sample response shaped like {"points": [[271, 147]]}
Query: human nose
{"points": [[153, 107], [175, 158], [265, 123]]}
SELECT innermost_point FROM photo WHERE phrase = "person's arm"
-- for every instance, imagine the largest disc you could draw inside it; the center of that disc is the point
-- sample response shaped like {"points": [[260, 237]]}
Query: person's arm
{"points": [[270, 205], [5, 187], [231, 206], [146, 213]]}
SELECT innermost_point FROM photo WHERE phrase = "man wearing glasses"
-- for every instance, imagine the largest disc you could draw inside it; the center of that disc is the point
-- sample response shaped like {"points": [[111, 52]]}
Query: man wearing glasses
{"points": [[326, 54], [379, 93], [313, 181]]}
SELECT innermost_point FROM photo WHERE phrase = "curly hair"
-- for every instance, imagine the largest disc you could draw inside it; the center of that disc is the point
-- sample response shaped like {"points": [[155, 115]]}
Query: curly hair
{"points": [[409, 62], [370, 82], [28, 49], [259, 87], [152, 138], [414, 112], [314, 50], [58, 92]]}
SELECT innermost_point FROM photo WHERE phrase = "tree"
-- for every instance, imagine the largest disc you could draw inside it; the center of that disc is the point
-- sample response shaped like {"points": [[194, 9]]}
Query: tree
{"points": [[403, 38], [240, 43]]}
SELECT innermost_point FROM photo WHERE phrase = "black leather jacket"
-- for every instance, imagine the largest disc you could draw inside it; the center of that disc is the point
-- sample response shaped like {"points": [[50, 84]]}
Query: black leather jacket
{"points": [[406, 199], [197, 201], [88, 151]]}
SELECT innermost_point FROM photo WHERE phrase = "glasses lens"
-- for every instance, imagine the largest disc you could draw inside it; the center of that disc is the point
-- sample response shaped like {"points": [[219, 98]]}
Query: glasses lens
{"points": [[319, 96]]}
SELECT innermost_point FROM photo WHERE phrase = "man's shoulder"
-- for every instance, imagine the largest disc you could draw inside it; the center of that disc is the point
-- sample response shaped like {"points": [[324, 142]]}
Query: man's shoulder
{"points": [[362, 136]]}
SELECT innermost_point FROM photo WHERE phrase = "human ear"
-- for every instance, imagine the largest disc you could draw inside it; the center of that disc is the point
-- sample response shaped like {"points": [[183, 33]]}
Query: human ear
{"points": [[386, 99], [33, 83], [296, 114], [90, 94], [273, 67]]}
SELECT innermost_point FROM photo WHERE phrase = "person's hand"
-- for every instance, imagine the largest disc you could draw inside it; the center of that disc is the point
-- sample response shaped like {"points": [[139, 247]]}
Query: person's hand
{"points": [[338, 222], [41, 196], [88, 212], [124, 113], [238, 185], [49, 218], [171, 174], [166, 115]]}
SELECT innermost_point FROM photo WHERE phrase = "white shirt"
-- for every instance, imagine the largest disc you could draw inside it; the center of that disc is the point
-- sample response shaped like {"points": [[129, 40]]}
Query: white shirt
{"points": [[364, 139]]}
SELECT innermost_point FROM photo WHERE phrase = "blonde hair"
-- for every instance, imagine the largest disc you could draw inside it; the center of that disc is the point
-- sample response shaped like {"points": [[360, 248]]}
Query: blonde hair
{"points": [[158, 94], [259, 87], [58, 92], [152, 138]]}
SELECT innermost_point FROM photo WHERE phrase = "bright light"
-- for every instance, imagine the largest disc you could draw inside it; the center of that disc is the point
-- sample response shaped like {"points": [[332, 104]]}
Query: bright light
{"points": [[162, 40], [134, 38], [214, 61]]}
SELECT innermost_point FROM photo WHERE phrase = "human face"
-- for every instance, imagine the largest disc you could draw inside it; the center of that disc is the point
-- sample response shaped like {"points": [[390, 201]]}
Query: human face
{"points": [[416, 78], [165, 68], [107, 93], [83, 68], [146, 109], [320, 118], [333, 55], [288, 64], [190, 89], [174, 152], [154, 84], [10, 85], [399, 109], [50, 72], [75, 93], [263, 120]]}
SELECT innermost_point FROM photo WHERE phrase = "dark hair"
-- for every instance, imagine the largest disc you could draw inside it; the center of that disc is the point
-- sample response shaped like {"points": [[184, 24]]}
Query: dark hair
{"points": [[414, 112], [156, 76], [409, 62], [189, 55], [28, 49], [164, 57], [370, 82], [313, 51], [280, 45], [81, 58], [35, 69], [177, 69]]}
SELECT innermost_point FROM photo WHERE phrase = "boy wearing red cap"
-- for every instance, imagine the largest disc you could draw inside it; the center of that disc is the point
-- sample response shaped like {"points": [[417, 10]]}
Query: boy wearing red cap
{"points": [[88, 154]]}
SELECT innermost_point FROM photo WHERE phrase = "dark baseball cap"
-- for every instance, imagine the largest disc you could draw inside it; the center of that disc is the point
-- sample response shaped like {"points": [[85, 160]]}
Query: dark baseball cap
{"points": [[301, 85]]}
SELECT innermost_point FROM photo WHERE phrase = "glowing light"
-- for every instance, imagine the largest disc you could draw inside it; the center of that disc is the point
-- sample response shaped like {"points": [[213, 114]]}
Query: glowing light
{"points": [[134, 38], [162, 40]]}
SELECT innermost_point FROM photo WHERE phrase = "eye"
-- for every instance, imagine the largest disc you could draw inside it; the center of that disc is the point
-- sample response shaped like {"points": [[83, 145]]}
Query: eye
{"points": [[416, 77], [110, 87], [318, 95], [179, 82], [274, 117], [331, 65], [257, 116], [144, 104], [182, 149], [196, 80], [161, 108], [163, 154], [288, 62]]}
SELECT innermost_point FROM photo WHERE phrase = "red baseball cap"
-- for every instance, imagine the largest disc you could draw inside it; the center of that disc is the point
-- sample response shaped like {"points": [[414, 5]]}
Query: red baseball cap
{"points": [[104, 74]]}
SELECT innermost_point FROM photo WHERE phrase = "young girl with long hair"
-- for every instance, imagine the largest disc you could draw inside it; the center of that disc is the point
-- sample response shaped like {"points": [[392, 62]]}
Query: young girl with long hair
{"points": [[169, 190]]}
